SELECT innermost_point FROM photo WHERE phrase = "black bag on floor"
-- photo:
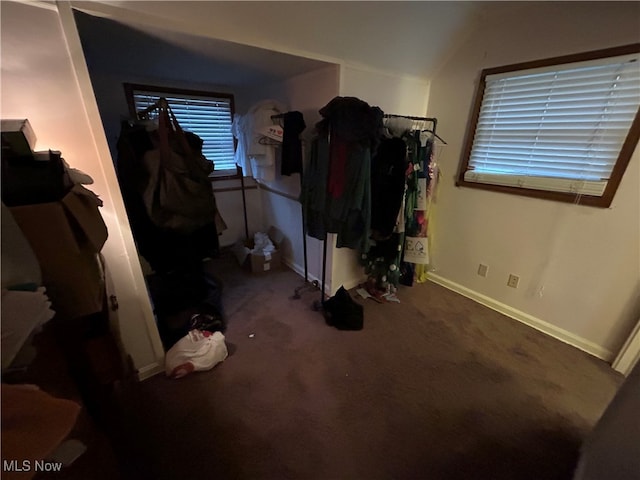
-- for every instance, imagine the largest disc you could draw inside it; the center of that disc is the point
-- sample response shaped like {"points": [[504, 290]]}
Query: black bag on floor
{"points": [[343, 312]]}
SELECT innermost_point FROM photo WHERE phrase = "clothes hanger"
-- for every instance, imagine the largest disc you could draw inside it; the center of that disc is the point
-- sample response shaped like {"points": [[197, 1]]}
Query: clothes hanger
{"points": [[268, 141], [161, 103], [435, 135], [433, 120]]}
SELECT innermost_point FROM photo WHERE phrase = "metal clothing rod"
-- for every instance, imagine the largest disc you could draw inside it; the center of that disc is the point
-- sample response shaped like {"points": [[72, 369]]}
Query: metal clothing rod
{"points": [[319, 305], [304, 237], [306, 284], [297, 291], [428, 119], [278, 117], [424, 119]]}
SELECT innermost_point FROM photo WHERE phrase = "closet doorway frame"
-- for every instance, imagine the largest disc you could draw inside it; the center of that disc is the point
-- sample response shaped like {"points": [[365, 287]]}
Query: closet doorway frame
{"points": [[79, 64]]}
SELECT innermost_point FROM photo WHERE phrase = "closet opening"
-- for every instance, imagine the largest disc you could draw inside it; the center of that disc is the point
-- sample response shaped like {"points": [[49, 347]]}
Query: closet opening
{"points": [[132, 67]]}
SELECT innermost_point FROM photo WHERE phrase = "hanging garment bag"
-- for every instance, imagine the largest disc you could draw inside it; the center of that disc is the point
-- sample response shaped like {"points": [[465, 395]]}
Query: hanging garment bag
{"points": [[178, 195]]}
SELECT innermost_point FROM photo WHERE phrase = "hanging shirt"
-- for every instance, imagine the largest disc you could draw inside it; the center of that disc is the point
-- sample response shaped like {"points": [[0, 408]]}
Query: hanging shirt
{"points": [[255, 158]]}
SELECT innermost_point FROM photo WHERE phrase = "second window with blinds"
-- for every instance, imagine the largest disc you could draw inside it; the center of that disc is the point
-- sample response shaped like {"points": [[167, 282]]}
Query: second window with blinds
{"points": [[207, 114], [562, 129]]}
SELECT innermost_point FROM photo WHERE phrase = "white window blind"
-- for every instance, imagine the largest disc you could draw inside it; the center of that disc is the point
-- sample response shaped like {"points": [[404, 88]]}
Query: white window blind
{"points": [[207, 117], [557, 128]]}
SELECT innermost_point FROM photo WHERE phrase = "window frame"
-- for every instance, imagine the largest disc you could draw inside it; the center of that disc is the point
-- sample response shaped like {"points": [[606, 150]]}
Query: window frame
{"points": [[624, 157], [129, 89]]}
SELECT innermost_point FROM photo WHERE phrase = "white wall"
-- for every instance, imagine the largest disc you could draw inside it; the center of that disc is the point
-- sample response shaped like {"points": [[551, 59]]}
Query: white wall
{"points": [[579, 266], [306, 93], [39, 83], [393, 92]]}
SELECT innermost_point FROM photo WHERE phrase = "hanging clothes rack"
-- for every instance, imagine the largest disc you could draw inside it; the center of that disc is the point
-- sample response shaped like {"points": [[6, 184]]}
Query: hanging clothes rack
{"points": [[415, 129], [319, 305], [307, 285]]}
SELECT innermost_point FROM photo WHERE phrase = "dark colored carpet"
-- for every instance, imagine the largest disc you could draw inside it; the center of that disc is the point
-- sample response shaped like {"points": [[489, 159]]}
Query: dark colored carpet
{"points": [[437, 387]]}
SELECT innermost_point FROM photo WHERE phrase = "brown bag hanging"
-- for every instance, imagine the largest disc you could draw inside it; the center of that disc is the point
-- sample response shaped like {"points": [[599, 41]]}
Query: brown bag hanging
{"points": [[179, 195]]}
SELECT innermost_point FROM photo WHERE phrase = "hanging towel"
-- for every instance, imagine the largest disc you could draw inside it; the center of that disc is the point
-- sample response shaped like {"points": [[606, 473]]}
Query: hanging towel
{"points": [[241, 132]]}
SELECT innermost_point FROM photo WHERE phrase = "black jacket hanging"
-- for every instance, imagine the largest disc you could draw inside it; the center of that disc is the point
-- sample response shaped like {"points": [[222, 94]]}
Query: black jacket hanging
{"points": [[291, 144], [336, 194], [388, 168]]}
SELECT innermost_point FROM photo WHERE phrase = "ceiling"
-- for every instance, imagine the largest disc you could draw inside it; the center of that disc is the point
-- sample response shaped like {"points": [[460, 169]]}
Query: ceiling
{"points": [[114, 47], [274, 39]]}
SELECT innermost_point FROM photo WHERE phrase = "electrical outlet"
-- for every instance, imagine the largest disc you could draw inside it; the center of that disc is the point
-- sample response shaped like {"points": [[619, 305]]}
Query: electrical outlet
{"points": [[513, 281], [483, 270]]}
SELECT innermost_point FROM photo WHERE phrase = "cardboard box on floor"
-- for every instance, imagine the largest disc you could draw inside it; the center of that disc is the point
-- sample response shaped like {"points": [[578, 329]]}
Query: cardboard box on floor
{"points": [[259, 262], [17, 137], [66, 237]]}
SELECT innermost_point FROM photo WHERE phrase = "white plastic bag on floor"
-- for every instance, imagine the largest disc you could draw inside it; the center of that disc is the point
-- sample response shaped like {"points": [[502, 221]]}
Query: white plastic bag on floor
{"points": [[263, 244], [196, 351]]}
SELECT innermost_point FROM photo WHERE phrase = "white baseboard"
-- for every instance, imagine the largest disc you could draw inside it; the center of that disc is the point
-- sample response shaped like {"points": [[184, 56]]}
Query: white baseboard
{"points": [[300, 271], [355, 282], [545, 327], [629, 354], [149, 371]]}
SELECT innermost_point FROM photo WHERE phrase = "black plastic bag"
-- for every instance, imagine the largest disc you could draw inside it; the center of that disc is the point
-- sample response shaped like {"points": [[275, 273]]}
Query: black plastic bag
{"points": [[343, 312]]}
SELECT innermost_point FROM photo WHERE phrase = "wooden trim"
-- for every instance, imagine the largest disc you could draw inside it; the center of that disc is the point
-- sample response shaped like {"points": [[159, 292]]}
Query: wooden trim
{"points": [[148, 371], [471, 131], [628, 147], [130, 87], [566, 197], [629, 354], [234, 189], [574, 57], [233, 176], [622, 162]]}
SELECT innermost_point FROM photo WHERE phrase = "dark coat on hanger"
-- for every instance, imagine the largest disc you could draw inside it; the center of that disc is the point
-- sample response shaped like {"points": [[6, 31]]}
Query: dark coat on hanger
{"points": [[336, 193], [388, 169]]}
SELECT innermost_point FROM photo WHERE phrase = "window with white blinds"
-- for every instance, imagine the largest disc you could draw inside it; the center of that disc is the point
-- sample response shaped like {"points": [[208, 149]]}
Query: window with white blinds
{"points": [[208, 116], [555, 128]]}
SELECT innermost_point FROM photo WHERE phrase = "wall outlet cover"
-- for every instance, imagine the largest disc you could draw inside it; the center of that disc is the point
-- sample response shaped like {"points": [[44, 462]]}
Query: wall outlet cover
{"points": [[483, 270]]}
